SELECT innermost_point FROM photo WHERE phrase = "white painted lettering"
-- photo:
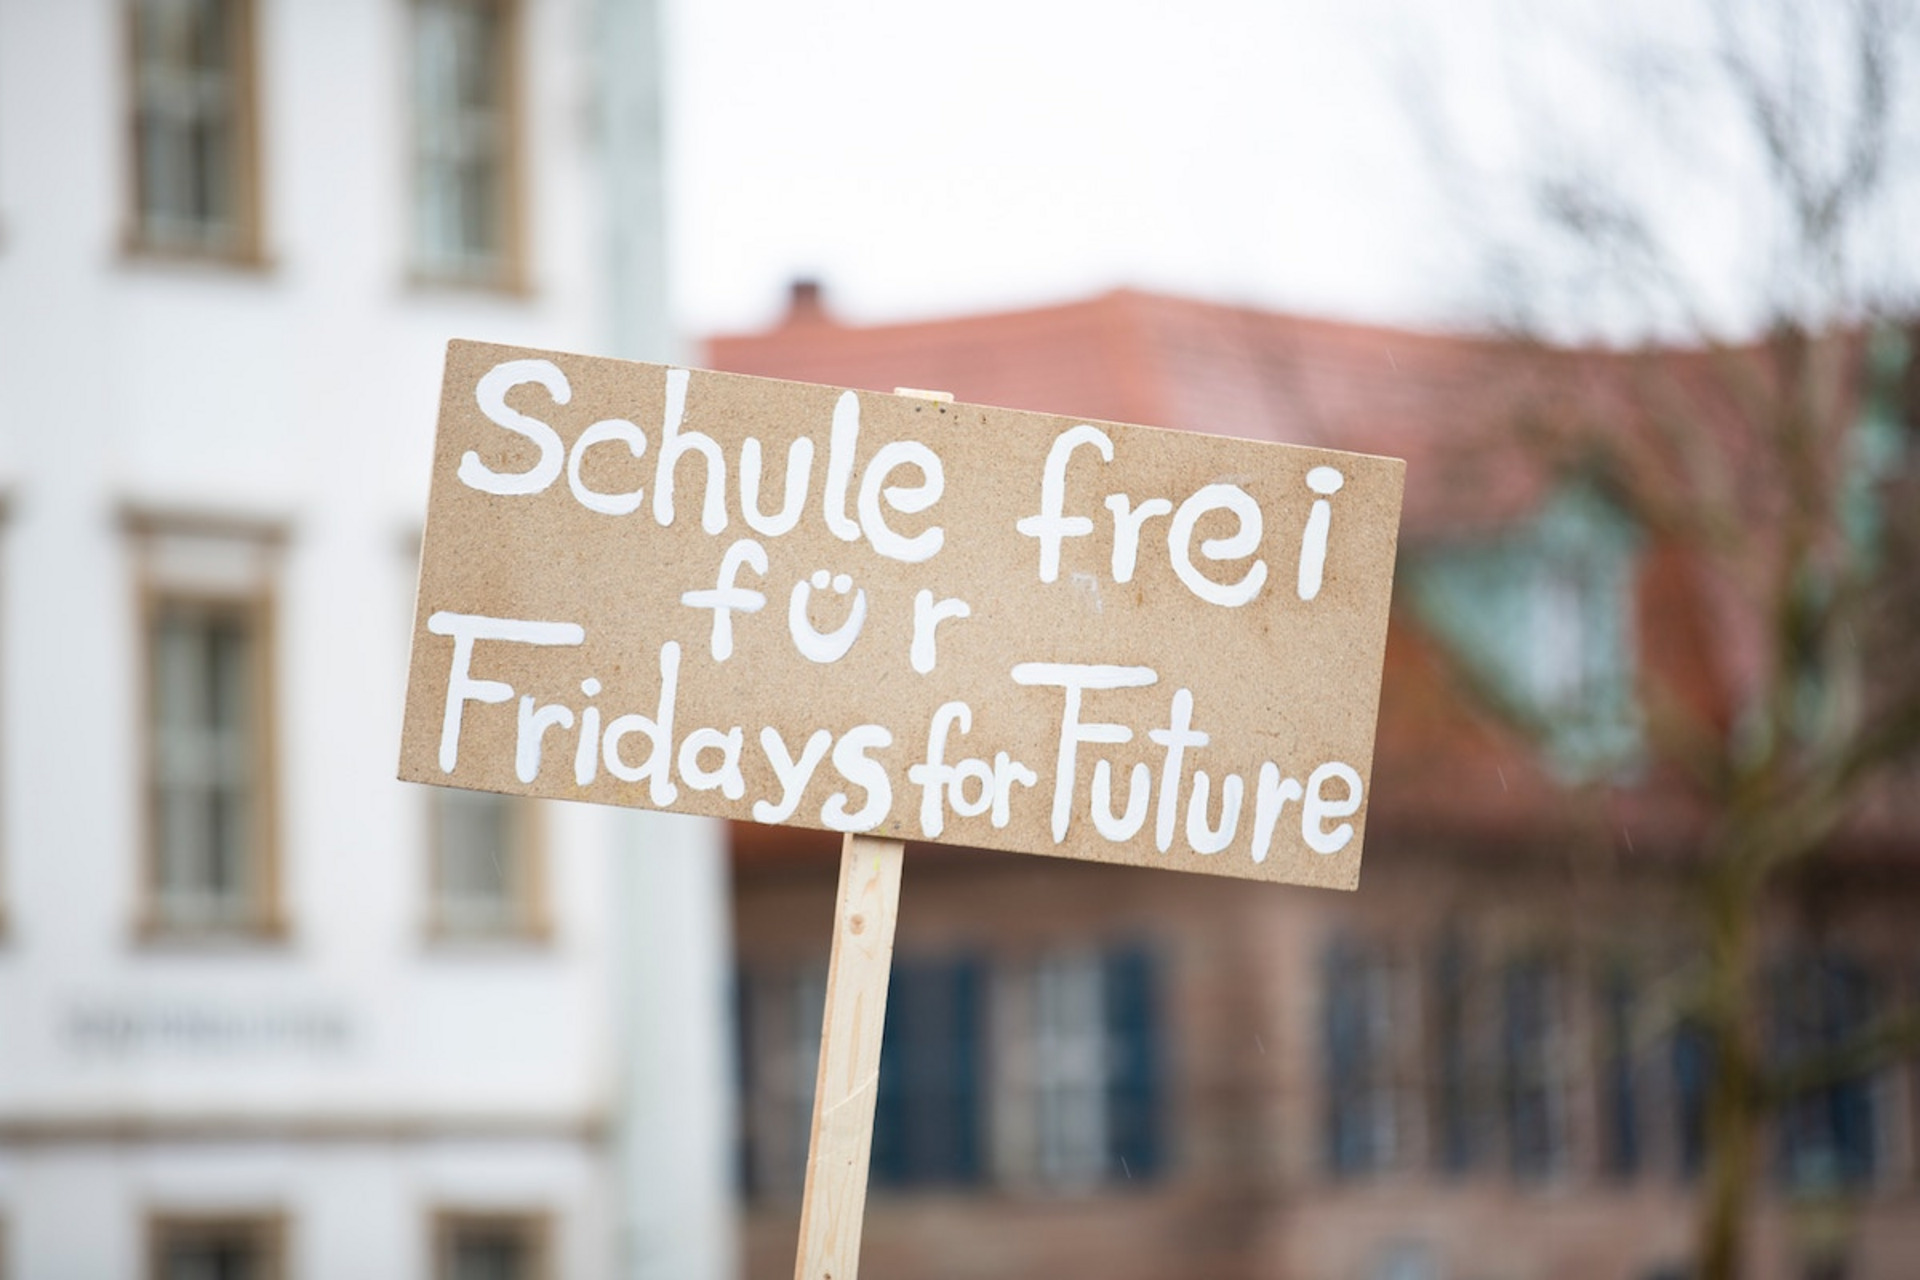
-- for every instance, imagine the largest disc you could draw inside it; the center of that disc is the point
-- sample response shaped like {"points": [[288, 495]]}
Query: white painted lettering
{"points": [[657, 768], [1270, 800], [462, 687], [1139, 788], [842, 444], [1075, 678], [491, 394], [934, 773], [726, 599], [1317, 808], [928, 614], [1176, 738], [851, 759], [1050, 526], [830, 646], [906, 499], [586, 752], [607, 504], [1007, 772], [1326, 482], [1212, 840], [793, 774], [1218, 497], [534, 723], [674, 444], [726, 779], [799, 472], [1126, 530]]}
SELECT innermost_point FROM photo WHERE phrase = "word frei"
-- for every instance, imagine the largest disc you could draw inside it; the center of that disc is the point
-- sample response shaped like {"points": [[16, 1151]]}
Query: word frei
{"points": [[711, 759]]}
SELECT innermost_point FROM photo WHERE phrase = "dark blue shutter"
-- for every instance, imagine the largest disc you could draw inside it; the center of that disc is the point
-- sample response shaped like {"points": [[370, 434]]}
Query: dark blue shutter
{"points": [[1134, 1078], [1453, 1087], [927, 1112], [887, 1159], [1620, 1101], [965, 1110], [1692, 1068], [1849, 1012], [1344, 1038], [1527, 1029]]}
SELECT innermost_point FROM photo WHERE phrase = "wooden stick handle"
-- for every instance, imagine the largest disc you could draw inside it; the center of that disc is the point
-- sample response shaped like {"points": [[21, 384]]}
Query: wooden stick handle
{"points": [[835, 1201]]}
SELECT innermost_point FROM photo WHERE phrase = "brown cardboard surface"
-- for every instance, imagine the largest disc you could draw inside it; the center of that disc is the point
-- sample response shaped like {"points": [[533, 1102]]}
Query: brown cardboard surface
{"points": [[1202, 677]]}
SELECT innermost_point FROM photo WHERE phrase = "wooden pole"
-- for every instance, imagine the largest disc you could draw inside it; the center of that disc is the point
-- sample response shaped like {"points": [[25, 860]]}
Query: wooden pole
{"points": [[834, 1205], [835, 1201]]}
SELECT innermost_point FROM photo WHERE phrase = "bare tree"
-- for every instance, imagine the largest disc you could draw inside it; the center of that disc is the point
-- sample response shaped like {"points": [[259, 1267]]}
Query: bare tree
{"points": [[1759, 424]]}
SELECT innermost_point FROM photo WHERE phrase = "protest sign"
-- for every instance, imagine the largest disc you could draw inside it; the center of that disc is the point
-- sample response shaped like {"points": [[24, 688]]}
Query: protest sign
{"points": [[883, 615]]}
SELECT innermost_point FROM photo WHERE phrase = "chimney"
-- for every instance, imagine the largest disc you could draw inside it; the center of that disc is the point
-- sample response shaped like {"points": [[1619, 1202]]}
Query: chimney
{"points": [[804, 303]]}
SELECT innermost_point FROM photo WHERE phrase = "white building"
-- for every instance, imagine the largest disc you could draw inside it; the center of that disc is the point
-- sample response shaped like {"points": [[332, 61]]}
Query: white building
{"points": [[265, 1012]]}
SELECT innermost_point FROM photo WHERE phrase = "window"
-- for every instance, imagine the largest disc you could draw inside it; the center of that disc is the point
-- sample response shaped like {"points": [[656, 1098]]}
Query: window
{"points": [[781, 1011], [1533, 1059], [4, 512], [1363, 1019], [224, 1247], [193, 128], [1824, 1007], [1045, 1073], [207, 618], [1077, 1093], [465, 216], [486, 867], [490, 1246], [1405, 1260], [1543, 618]]}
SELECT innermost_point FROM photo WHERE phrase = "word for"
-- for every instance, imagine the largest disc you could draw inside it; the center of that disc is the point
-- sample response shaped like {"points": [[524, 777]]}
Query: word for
{"points": [[728, 597]]}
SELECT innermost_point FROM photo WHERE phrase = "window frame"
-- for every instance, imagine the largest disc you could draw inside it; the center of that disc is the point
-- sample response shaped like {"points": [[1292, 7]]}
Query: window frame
{"points": [[1368, 985], [6, 513], [1538, 1058], [509, 273], [780, 1018], [1036, 1072], [532, 916], [258, 605], [268, 1227], [245, 245], [536, 1226]]}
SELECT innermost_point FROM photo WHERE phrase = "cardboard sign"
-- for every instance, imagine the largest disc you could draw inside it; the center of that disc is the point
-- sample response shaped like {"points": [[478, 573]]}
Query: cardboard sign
{"points": [[880, 614]]}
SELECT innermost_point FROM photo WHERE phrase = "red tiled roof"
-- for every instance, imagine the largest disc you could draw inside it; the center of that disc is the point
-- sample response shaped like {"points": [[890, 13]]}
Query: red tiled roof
{"points": [[1447, 403], [1129, 356]]}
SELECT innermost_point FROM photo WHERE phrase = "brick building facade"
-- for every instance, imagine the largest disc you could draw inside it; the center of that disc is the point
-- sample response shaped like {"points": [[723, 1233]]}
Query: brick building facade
{"points": [[1462, 1070]]}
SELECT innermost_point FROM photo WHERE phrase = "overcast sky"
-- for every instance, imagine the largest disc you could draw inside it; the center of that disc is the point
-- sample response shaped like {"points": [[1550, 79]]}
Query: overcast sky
{"points": [[925, 159]]}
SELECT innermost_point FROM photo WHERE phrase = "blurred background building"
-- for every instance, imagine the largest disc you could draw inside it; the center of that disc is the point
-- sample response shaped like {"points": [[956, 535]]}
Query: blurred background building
{"points": [[264, 1011], [1476, 1066]]}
